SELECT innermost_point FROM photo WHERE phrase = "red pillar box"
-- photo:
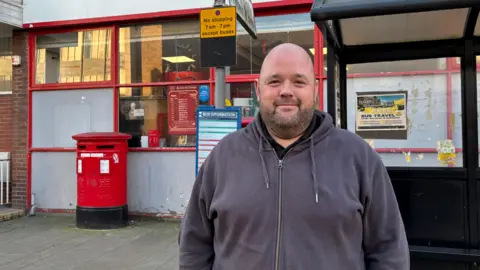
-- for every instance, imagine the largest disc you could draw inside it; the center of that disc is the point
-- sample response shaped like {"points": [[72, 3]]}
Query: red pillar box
{"points": [[102, 180]]}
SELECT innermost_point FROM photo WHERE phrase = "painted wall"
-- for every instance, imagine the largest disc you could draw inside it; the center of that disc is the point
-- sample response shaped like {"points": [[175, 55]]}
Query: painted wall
{"points": [[60, 10], [158, 182]]}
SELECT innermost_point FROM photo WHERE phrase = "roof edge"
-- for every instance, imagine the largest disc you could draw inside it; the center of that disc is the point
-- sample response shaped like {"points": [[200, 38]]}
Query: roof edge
{"points": [[324, 12]]}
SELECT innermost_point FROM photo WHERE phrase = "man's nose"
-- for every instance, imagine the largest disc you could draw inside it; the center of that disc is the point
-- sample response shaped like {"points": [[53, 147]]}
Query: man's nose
{"points": [[286, 90]]}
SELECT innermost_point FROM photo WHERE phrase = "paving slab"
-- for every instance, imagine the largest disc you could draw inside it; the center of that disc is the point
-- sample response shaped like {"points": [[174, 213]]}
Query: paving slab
{"points": [[10, 213], [48, 241]]}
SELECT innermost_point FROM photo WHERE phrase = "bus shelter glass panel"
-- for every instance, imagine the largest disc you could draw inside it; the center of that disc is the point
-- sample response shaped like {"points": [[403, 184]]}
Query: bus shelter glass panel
{"points": [[412, 118]]}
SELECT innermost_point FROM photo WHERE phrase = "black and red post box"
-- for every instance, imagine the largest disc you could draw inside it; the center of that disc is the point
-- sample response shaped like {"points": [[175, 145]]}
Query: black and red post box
{"points": [[102, 180]]}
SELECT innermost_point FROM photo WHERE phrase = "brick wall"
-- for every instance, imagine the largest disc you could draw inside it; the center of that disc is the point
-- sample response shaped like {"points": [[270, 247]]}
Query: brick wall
{"points": [[20, 118], [5, 123]]}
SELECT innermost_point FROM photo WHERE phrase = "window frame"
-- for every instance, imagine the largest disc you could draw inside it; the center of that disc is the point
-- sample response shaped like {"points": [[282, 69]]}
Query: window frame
{"points": [[271, 8], [66, 86]]}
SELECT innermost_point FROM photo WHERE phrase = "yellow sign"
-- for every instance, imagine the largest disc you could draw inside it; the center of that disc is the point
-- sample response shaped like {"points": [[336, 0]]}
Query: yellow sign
{"points": [[218, 22]]}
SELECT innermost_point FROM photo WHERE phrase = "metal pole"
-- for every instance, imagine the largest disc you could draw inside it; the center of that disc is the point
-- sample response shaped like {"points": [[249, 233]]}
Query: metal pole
{"points": [[219, 74], [220, 87]]}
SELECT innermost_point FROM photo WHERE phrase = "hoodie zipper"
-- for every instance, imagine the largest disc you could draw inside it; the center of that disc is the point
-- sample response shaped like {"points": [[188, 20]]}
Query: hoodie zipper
{"points": [[280, 185]]}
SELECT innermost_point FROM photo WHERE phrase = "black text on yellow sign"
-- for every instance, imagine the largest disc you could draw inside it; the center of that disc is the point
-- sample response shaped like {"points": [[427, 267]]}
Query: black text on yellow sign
{"points": [[218, 22]]}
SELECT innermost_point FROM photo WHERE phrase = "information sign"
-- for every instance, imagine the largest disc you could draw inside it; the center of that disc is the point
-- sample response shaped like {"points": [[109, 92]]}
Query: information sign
{"points": [[218, 22], [212, 125]]}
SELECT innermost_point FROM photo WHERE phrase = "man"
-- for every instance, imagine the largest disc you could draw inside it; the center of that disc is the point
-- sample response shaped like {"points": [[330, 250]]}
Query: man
{"points": [[291, 191]]}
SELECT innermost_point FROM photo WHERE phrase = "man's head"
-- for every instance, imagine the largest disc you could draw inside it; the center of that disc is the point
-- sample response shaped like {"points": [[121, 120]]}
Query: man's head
{"points": [[287, 90]]}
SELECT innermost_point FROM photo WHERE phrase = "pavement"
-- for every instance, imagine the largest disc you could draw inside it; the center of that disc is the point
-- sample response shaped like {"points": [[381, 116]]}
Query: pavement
{"points": [[52, 241]]}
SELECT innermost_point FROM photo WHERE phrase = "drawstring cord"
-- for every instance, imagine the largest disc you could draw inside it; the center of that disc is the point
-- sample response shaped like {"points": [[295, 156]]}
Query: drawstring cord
{"points": [[314, 170], [266, 178]]}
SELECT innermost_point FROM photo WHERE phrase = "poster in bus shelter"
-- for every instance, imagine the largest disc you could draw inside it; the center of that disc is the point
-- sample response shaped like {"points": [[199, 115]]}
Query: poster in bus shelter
{"points": [[382, 115]]}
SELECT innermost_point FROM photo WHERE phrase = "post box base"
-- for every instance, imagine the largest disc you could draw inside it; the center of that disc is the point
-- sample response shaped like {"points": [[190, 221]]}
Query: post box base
{"points": [[102, 218]]}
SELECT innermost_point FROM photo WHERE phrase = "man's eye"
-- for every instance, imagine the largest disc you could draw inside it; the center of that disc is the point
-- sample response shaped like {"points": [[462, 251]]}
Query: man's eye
{"points": [[274, 82]]}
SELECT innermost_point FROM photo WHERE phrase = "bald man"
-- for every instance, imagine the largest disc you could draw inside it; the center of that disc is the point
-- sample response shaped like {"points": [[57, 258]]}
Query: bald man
{"points": [[291, 191]]}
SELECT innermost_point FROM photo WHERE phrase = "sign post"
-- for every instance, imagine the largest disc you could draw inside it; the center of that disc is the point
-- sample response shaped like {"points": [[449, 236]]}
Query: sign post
{"points": [[218, 38], [218, 49]]}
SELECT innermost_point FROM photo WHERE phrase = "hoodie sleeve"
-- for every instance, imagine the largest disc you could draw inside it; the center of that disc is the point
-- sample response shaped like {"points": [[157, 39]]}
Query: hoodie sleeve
{"points": [[196, 230], [385, 241]]}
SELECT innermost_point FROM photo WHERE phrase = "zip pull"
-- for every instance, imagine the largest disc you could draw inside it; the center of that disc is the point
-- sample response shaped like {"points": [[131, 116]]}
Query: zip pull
{"points": [[280, 164]]}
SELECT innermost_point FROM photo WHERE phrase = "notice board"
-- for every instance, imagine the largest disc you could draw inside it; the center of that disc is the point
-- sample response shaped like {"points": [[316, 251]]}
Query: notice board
{"points": [[212, 125]]}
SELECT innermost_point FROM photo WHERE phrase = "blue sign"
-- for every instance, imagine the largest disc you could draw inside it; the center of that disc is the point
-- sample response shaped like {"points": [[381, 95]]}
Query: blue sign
{"points": [[212, 125], [204, 93]]}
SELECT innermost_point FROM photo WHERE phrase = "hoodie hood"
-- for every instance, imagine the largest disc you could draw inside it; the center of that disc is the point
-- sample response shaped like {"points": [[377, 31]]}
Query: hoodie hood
{"points": [[256, 135]]}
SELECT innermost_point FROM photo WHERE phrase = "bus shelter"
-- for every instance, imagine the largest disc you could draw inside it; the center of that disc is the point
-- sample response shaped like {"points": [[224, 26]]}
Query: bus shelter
{"points": [[439, 204]]}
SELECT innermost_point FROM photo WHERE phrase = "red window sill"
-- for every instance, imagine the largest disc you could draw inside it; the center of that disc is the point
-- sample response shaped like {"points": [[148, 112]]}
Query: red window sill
{"points": [[134, 149]]}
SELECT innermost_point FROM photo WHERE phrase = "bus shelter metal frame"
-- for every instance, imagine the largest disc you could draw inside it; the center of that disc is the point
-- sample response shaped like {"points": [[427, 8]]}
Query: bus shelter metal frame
{"points": [[328, 16]]}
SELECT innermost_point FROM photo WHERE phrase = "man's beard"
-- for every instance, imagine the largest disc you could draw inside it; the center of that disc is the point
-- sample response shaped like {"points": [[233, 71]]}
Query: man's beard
{"points": [[286, 127]]}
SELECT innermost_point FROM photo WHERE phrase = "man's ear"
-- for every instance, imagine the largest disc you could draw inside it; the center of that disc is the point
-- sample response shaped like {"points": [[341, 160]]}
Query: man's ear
{"points": [[257, 89]]}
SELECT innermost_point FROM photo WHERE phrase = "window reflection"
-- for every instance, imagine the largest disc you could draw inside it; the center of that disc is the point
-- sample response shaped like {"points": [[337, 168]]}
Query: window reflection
{"points": [[5, 74], [161, 52], [272, 31], [5, 64], [73, 57]]}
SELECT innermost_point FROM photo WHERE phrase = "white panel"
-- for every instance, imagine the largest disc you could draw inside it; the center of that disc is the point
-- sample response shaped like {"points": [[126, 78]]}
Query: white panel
{"points": [[54, 181], [160, 182], [11, 12], [59, 10], [431, 25], [57, 115]]}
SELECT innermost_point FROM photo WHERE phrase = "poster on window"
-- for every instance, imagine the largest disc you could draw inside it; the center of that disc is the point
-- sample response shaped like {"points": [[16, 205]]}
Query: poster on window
{"points": [[182, 104], [382, 115]]}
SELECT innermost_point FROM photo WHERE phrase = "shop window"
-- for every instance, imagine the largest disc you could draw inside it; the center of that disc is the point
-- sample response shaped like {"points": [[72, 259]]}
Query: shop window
{"points": [[456, 62], [431, 133], [165, 52], [73, 57], [5, 65], [423, 65], [165, 112], [57, 115], [272, 31], [243, 95]]}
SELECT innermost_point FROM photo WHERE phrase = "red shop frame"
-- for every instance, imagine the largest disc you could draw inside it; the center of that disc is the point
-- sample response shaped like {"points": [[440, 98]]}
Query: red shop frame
{"points": [[112, 23]]}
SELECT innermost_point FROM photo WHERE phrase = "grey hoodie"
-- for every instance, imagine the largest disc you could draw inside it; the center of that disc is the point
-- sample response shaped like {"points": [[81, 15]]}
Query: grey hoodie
{"points": [[328, 205]]}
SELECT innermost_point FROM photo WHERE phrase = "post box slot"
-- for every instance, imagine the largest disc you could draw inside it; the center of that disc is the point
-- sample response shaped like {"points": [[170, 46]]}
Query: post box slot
{"points": [[82, 147], [105, 146]]}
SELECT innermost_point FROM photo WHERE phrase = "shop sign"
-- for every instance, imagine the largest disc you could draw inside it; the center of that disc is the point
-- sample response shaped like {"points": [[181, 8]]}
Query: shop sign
{"points": [[212, 126], [182, 101], [382, 115], [246, 16]]}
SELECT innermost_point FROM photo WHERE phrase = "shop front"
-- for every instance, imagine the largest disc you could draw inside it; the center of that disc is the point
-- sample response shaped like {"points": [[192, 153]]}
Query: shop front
{"points": [[139, 74]]}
